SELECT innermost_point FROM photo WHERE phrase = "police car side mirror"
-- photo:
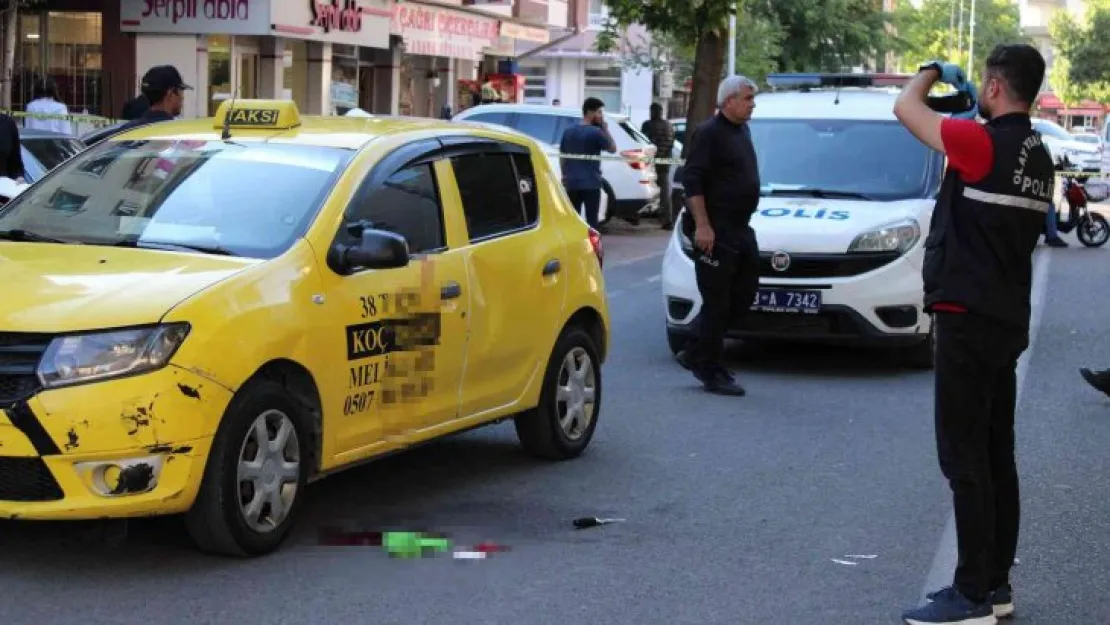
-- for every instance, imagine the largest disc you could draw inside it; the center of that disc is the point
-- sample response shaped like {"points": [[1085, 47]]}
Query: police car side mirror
{"points": [[377, 249]]}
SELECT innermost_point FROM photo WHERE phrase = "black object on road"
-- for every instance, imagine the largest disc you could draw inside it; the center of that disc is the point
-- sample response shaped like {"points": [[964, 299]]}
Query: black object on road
{"points": [[592, 521]]}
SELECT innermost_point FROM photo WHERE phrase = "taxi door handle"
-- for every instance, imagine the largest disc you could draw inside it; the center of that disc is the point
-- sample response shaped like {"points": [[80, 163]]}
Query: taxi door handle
{"points": [[552, 267], [451, 290]]}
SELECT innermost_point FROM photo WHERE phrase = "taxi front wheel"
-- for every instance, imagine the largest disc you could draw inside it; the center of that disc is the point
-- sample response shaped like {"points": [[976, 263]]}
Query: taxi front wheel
{"points": [[563, 423], [255, 476]]}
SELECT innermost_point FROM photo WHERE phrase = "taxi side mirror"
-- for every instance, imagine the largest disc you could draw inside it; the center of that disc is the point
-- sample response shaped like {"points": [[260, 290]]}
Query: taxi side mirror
{"points": [[376, 249]]}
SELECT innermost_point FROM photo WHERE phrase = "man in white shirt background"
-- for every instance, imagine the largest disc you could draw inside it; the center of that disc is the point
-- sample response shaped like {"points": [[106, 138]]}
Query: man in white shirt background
{"points": [[46, 102]]}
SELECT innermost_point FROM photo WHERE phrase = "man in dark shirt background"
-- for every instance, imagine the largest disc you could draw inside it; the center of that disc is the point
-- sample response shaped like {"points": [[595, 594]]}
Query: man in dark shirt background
{"points": [[164, 89], [661, 133], [721, 180], [134, 108], [582, 178], [11, 153]]}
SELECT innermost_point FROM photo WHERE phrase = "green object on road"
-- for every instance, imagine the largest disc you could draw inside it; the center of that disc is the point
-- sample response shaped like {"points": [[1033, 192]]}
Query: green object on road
{"points": [[412, 544]]}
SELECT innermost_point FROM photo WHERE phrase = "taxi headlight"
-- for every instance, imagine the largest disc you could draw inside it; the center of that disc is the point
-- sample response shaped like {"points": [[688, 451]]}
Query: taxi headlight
{"points": [[99, 355], [899, 237]]}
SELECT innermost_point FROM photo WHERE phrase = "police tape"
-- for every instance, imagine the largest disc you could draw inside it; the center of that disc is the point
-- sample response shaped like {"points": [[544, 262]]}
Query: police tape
{"points": [[90, 119], [651, 160]]}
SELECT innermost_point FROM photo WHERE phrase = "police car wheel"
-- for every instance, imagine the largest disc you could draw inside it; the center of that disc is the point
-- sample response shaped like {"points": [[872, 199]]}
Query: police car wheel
{"points": [[562, 425], [255, 476]]}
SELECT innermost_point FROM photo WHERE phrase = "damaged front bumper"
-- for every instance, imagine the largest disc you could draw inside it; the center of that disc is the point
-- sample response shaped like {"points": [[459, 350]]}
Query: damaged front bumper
{"points": [[118, 448]]}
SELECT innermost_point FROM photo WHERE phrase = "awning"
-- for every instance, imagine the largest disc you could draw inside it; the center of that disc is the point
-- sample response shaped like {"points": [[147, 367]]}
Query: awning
{"points": [[1049, 101]]}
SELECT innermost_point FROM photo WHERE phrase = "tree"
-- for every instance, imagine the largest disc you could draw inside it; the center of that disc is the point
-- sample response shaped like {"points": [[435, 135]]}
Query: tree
{"points": [[704, 23], [1081, 69], [930, 32], [9, 16], [772, 35], [824, 35]]}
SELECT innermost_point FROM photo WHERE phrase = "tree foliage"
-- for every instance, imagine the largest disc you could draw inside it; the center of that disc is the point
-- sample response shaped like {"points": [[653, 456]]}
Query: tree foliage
{"points": [[772, 35], [1081, 69], [930, 32]]}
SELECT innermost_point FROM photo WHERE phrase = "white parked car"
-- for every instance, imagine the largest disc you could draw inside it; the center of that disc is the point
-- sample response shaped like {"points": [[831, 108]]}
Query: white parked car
{"points": [[1067, 152], [847, 198], [629, 188], [1090, 138]]}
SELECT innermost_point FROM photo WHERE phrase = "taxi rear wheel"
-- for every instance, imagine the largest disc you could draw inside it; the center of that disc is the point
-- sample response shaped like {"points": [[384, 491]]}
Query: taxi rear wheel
{"points": [[255, 476], [563, 423]]}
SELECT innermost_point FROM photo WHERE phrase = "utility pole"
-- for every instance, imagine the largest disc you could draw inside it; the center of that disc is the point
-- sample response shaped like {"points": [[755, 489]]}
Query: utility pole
{"points": [[960, 31], [971, 42], [732, 41]]}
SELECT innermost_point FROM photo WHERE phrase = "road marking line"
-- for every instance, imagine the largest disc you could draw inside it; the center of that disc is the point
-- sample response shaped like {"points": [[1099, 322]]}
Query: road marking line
{"points": [[634, 260], [635, 285], [947, 553]]}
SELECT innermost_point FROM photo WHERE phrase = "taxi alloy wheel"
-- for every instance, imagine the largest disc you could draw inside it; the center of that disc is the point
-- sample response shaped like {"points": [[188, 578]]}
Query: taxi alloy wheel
{"points": [[563, 423], [255, 475], [269, 468]]}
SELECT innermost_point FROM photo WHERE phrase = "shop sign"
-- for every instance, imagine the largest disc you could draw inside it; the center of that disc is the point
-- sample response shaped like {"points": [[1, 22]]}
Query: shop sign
{"points": [[525, 33], [225, 17], [330, 15], [347, 22], [429, 31]]}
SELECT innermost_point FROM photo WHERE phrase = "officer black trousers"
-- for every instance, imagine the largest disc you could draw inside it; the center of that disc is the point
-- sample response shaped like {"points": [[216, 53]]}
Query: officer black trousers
{"points": [[976, 393], [727, 281]]}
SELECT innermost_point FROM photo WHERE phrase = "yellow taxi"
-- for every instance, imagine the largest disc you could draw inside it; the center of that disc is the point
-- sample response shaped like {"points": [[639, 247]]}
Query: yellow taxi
{"points": [[201, 317]]}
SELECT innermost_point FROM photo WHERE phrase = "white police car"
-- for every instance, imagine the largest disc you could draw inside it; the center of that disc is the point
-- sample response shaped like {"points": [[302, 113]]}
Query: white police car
{"points": [[847, 197]]}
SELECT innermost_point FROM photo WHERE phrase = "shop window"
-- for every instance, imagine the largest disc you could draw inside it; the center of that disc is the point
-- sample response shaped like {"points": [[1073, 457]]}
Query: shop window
{"points": [[66, 46], [605, 85], [219, 71], [344, 79], [535, 84]]}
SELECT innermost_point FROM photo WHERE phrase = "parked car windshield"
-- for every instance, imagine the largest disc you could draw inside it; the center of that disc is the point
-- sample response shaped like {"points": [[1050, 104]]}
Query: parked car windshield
{"points": [[1051, 129], [243, 198], [52, 151], [879, 160]]}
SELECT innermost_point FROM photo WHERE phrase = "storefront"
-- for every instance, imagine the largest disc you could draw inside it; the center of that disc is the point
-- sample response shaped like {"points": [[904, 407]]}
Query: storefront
{"points": [[314, 52], [447, 49], [1086, 114], [68, 41]]}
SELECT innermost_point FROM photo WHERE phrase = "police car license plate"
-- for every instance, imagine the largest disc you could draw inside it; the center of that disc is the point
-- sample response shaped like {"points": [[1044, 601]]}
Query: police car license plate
{"points": [[787, 301]]}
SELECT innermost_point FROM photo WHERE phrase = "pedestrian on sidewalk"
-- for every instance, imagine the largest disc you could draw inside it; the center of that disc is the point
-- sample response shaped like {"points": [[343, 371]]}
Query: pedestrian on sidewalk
{"points": [[47, 102], [581, 177], [721, 182], [661, 133], [978, 273]]}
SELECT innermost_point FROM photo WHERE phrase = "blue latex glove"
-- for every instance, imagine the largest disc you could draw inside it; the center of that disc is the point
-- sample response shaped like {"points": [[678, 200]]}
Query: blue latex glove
{"points": [[950, 73], [969, 89]]}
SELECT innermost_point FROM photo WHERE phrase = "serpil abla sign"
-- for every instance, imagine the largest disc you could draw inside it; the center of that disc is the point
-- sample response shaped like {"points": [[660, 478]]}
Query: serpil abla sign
{"points": [[227, 17], [346, 17]]}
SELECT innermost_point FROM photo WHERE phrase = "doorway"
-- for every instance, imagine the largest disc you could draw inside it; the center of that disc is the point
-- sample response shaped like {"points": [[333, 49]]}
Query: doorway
{"points": [[248, 74]]}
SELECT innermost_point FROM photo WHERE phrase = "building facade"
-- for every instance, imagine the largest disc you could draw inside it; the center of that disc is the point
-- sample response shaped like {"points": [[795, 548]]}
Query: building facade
{"points": [[383, 56]]}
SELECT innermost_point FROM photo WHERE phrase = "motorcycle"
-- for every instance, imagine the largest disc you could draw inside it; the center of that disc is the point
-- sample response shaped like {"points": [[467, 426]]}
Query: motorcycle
{"points": [[1091, 228]]}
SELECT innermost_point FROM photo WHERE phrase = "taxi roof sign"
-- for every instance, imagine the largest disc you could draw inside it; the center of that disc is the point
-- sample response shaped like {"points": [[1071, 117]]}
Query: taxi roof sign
{"points": [[257, 114]]}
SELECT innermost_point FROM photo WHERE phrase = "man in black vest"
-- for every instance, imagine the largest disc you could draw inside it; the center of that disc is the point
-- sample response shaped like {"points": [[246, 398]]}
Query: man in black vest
{"points": [[978, 274]]}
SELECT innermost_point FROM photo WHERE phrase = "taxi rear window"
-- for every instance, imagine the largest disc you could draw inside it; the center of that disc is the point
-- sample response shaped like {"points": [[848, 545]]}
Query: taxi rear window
{"points": [[240, 198]]}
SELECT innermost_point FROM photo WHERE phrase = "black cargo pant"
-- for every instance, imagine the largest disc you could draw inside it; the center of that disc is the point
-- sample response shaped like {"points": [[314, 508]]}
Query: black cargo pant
{"points": [[727, 281], [976, 393]]}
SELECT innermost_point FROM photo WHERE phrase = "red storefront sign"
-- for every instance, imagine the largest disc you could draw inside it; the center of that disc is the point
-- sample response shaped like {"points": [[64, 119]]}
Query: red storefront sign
{"points": [[332, 16]]}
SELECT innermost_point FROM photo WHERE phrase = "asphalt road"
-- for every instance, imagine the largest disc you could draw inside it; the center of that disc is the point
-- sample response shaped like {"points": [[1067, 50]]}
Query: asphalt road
{"points": [[736, 508]]}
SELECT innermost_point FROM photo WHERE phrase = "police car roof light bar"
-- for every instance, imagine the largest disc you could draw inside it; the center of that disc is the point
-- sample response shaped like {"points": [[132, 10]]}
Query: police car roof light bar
{"points": [[818, 80]]}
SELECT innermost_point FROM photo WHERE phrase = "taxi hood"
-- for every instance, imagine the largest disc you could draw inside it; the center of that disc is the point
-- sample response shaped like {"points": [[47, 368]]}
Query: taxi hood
{"points": [[809, 225], [60, 288]]}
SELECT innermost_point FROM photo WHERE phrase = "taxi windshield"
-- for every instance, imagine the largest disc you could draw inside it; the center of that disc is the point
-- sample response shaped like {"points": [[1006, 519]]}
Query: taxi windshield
{"points": [[240, 198], [872, 160]]}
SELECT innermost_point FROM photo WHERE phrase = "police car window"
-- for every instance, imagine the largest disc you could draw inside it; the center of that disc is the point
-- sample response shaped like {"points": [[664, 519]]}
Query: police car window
{"points": [[491, 194], [877, 159], [199, 194], [407, 203], [539, 127]]}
